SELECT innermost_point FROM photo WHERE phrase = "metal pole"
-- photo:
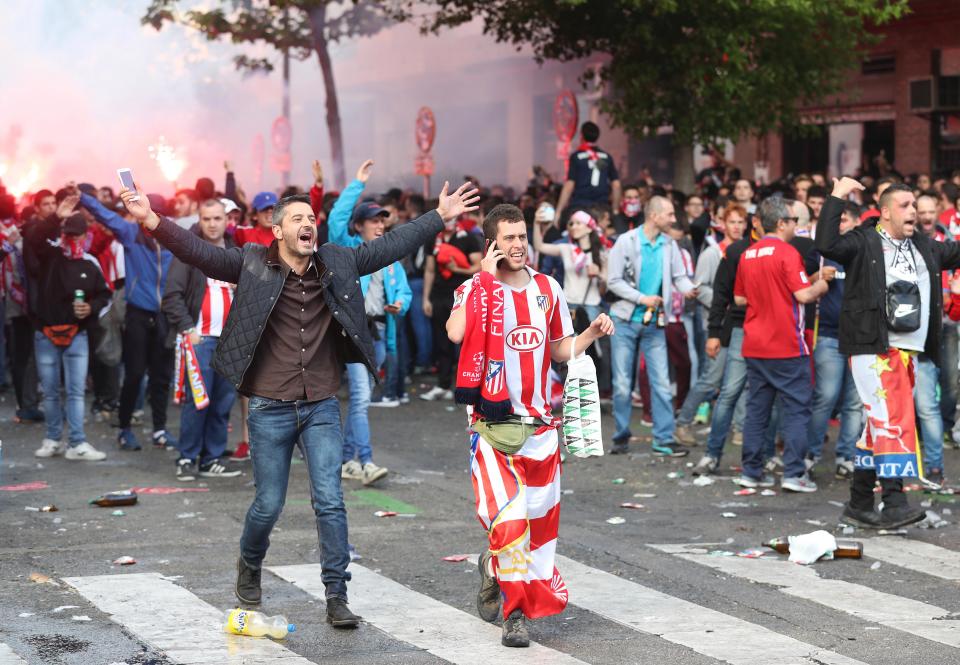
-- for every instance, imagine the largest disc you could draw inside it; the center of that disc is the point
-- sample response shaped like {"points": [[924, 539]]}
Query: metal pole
{"points": [[285, 177], [426, 187]]}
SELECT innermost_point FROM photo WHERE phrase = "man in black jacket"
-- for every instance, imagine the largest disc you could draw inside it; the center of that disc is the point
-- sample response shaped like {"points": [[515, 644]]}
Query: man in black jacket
{"points": [[892, 308], [297, 316], [196, 307], [67, 292]]}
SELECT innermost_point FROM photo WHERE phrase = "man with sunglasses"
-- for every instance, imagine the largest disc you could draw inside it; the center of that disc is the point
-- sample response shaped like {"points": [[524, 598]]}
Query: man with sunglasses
{"points": [[773, 285]]}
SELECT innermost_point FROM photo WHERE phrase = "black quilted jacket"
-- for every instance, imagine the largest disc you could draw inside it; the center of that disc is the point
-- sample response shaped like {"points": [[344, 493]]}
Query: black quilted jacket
{"points": [[255, 270]]}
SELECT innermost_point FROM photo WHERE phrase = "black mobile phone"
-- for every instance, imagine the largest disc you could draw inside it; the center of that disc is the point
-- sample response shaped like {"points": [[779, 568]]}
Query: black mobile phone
{"points": [[487, 249]]}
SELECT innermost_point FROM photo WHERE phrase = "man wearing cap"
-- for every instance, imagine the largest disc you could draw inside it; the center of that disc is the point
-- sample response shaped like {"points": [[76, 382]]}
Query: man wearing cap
{"points": [[144, 335], [386, 294], [262, 230], [67, 292]]}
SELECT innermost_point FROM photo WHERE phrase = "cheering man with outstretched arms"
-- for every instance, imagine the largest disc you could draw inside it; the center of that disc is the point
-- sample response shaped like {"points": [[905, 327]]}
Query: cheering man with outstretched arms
{"points": [[297, 316], [891, 311]]}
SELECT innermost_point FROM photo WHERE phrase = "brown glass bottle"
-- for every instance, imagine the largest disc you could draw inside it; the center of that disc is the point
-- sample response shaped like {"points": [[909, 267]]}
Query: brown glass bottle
{"points": [[125, 498], [846, 549]]}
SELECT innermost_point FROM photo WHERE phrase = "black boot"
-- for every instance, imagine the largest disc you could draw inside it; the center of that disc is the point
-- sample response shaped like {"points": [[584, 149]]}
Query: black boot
{"points": [[897, 512], [248, 583], [515, 630], [860, 508], [339, 615], [488, 597]]}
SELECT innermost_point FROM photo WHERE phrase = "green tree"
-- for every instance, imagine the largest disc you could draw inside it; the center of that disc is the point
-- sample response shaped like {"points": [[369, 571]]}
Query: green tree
{"points": [[711, 69], [295, 27]]}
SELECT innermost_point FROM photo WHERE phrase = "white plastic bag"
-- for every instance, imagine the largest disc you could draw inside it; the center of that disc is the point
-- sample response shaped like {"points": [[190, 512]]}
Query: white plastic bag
{"points": [[581, 408], [810, 547]]}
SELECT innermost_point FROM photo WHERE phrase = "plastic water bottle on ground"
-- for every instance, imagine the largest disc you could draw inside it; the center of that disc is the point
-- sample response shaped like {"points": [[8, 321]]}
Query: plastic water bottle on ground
{"points": [[256, 624]]}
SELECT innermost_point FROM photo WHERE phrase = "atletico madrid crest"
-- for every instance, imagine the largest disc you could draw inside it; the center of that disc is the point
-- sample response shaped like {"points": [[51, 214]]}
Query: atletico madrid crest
{"points": [[543, 303], [494, 381]]}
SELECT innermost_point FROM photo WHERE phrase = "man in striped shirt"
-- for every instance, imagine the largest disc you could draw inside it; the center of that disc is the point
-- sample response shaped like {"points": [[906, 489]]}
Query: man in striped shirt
{"points": [[196, 307], [517, 483]]}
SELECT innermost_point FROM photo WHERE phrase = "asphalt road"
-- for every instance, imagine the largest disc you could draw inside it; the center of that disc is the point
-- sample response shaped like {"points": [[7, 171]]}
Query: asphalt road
{"points": [[630, 602]]}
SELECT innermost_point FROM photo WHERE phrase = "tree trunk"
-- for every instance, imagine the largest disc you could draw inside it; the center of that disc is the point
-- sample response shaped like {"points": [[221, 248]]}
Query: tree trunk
{"points": [[318, 21], [683, 175]]}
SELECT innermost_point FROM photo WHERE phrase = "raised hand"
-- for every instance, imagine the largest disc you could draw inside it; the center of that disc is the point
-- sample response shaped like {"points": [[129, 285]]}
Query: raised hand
{"points": [[318, 172], [139, 208], [363, 173], [451, 206], [844, 186], [67, 206]]}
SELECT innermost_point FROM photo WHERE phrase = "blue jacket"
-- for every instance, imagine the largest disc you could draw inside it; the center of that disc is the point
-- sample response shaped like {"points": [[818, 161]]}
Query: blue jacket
{"points": [[395, 285], [146, 262]]}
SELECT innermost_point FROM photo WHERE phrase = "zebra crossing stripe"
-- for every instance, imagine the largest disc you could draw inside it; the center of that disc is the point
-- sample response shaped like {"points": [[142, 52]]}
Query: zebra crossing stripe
{"points": [[905, 614], [8, 657], [424, 622], [701, 629], [169, 618], [915, 555]]}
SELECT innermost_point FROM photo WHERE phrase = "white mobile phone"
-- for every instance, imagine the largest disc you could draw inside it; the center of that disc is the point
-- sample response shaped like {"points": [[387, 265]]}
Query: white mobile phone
{"points": [[126, 179]]}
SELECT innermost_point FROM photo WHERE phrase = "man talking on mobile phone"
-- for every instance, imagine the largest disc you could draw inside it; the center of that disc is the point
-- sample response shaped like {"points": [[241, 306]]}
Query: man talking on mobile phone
{"points": [[297, 316]]}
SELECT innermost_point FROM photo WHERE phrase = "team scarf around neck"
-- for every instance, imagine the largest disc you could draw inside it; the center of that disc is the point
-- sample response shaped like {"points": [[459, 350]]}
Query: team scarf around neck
{"points": [[73, 247], [481, 370], [590, 149]]}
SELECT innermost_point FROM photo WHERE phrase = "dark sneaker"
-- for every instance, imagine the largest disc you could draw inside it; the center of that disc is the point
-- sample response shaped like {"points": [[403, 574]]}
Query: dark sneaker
{"points": [[488, 598], [339, 615], [894, 518], [214, 469], [671, 449], [186, 471], [515, 630], [29, 416], [620, 448], [128, 440], [869, 519], [163, 440], [844, 470], [248, 583]]}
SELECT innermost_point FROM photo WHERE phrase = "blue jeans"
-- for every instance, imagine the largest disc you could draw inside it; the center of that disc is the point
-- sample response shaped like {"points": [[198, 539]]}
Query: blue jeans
{"points": [[834, 385], [929, 419], [73, 360], [275, 428], [705, 389], [789, 380], [203, 434], [422, 330], [653, 343], [396, 363], [734, 379]]}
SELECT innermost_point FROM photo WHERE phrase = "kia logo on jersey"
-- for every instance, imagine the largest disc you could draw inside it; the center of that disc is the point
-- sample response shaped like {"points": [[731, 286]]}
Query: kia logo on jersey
{"points": [[524, 338]]}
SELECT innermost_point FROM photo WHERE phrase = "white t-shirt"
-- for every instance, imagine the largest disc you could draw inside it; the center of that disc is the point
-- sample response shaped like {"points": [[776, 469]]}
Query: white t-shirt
{"points": [[533, 317]]}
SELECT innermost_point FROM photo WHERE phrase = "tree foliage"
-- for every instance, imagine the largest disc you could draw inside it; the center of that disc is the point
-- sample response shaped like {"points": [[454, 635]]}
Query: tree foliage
{"points": [[711, 69]]}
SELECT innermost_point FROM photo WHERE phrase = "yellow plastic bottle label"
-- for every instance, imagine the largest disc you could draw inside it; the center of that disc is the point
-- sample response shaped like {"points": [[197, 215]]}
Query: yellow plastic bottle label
{"points": [[238, 622]]}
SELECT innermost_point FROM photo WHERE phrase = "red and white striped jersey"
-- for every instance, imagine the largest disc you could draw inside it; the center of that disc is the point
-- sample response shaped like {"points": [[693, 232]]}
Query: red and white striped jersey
{"points": [[215, 307], [533, 317]]}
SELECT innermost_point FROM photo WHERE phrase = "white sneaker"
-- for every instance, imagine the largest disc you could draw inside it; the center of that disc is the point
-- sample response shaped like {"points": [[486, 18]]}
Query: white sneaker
{"points": [[85, 452], [436, 393], [386, 403], [799, 484], [48, 448], [351, 470], [372, 473]]}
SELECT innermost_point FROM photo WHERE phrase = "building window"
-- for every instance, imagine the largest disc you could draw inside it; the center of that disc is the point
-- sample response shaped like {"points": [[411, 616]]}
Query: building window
{"points": [[880, 63]]}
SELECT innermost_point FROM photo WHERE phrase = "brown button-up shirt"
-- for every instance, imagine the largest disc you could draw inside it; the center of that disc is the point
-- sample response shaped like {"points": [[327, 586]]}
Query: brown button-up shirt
{"points": [[296, 358]]}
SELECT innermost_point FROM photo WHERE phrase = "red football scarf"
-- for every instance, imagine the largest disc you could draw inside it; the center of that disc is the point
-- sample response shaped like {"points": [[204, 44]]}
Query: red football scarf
{"points": [[481, 371], [590, 150], [188, 371], [72, 246]]}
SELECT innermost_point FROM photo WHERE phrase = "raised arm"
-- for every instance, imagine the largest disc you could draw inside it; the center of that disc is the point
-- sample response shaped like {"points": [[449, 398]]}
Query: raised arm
{"points": [[406, 238], [216, 262], [125, 232], [829, 242], [542, 248], [338, 222]]}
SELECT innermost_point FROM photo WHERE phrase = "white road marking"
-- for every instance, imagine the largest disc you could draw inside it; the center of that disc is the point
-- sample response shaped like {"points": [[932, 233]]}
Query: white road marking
{"points": [[915, 555], [169, 618], [8, 657], [910, 616], [701, 629], [426, 623]]}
